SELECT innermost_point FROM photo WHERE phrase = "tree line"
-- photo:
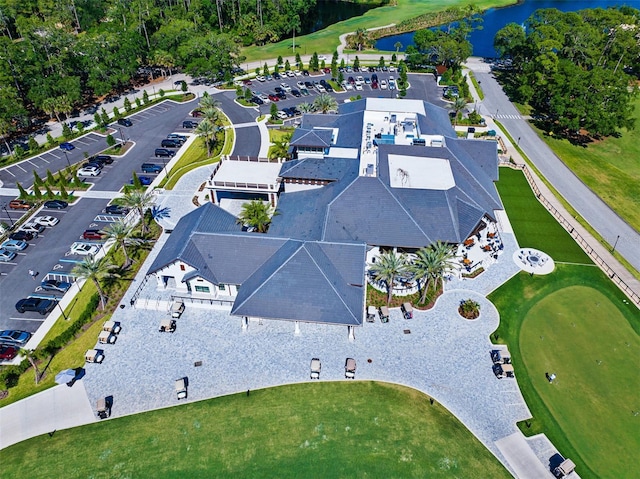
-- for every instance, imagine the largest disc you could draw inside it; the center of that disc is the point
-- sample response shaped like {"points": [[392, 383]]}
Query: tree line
{"points": [[57, 55], [577, 70]]}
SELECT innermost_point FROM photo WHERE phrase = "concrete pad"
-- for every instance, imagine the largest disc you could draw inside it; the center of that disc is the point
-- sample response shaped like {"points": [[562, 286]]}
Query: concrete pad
{"points": [[521, 457], [61, 407]]}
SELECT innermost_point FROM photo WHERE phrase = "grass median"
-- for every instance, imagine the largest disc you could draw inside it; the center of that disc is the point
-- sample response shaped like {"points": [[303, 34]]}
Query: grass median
{"points": [[324, 429]]}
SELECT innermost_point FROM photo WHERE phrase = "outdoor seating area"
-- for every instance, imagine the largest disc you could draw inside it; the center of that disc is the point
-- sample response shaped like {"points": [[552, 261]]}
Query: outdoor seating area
{"points": [[481, 249], [533, 261]]}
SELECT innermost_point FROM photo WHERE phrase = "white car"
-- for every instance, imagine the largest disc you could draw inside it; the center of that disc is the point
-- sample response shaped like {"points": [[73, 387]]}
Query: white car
{"points": [[297, 73], [260, 78], [89, 171], [300, 84], [359, 79], [285, 87], [321, 57], [359, 86], [392, 69], [383, 84], [289, 73], [320, 88], [264, 98], [34, 228], [46, 220], [84, 249]]}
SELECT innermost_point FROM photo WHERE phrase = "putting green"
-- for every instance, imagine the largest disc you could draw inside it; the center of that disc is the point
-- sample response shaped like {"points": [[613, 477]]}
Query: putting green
{"points": [[579, 334]]}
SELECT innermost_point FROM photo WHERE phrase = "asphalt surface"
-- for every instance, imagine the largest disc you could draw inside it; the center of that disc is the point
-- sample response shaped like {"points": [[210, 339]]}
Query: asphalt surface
{"points": [[595, 211], [48, 252]]}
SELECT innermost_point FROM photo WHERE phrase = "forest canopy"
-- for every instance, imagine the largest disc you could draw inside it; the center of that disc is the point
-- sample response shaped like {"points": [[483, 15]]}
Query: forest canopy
{"points": [[576, 69], [57, 54]]}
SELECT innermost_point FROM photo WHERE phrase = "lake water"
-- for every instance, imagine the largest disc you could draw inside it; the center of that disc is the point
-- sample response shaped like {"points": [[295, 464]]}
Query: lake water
{"points": [[328, 12], [495, 19]]}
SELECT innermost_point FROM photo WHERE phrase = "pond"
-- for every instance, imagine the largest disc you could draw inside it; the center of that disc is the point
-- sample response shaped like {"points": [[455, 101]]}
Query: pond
{"points": [[495, 19], [328, 12]]}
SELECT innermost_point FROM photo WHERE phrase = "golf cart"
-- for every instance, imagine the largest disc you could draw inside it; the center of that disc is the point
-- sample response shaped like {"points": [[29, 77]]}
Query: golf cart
{"points": [[106, 337], [167, 326], [503, 371], [564, 469], [500, 357], [371, 314], [350, 368], [112, 326], [177, 308], [94, 356], [407, 310], [384, 314], [316, 366], [181, 388], [103, 408]]}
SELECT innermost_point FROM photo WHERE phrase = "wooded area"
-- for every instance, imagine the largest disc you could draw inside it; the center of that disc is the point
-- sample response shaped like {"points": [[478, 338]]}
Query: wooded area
{"points": [[577, 70], [56, 55]]}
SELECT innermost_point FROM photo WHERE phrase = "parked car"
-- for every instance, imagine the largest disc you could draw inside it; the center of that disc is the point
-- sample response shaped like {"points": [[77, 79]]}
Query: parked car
{"points": [[14, 245], [144, 180], [176, 137], [106, 159], [84, 249], [55, 285], [92, 234], [285, 86], [6, 256], [89, 171], [300, 84], [257, 100], [304, 92], [19, 205], [22, 236], [33, 228], [281, 95], [282, 115], [8, 352], [124, 122], [163, 152], [189, 124], [56, 204], [36, 305], [116, 210], [46, 220], [15, 336], [151, 168], [167, 143], [67, 146], [273, 97]]}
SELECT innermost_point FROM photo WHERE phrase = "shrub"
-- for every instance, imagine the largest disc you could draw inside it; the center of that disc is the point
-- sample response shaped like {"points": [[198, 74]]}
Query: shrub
{"points": [[145, 97], [127, 104], [111, 140], [18, 152], [469, 309], [98, 119], [66, 131], [138, 102], [33, 145], [161, 93], [50, 140], [116, 112], [104, 116]]}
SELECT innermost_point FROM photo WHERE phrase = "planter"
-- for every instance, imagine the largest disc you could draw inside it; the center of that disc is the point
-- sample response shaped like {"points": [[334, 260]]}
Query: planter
{"points": [[469, 309]]}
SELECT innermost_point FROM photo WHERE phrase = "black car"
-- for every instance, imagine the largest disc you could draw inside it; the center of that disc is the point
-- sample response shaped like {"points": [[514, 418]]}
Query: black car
{"points": [[92, 164], [167, 143], [21, 236], [278, 89], [37, 305], [305, 73], [296, 93], [116, 210], [309, 85], [276, 76], [164, 152], [106, 159], [189, 124], [257, 100], [282, 95], [124, 122], [56, 204]]}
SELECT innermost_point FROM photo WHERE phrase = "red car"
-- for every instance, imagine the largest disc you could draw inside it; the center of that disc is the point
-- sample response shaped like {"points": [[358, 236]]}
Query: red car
{"points": [[272, 97], [92, 235], [7, 352], [19, 205]]}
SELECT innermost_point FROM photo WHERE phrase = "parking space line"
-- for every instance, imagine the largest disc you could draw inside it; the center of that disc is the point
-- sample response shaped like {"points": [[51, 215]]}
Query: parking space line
{"points": [[29, 161], [81, 142], [26, 319], [41, 158], [55, 156], [9, 171], [18, 166]]}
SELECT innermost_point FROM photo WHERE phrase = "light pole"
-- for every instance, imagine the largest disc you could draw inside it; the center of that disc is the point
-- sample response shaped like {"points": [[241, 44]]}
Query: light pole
{"points": [[62, 311], [497, 113], [4, 207], [67, 157], [121, 136], [518, 141], [615, 244]]}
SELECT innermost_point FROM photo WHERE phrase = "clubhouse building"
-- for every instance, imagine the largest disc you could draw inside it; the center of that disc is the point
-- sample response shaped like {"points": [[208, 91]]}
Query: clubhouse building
{"points": [[381, 174]]}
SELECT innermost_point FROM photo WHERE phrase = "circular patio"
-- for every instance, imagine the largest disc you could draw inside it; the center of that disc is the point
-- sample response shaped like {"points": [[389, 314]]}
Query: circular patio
{"points": [[533, 261]]}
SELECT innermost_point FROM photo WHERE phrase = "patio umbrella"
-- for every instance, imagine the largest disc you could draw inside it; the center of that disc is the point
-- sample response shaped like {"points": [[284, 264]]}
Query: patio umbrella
{"points": [[66, 376]]}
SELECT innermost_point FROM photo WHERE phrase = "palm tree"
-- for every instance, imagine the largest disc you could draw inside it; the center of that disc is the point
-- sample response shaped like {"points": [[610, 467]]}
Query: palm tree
{"points": [[458, 106], [360, 39], [397, 46], [387, 268], [122, 234], [208, 101], [257, 214], [306, 107], [325, 102], [431, 264], [95, 270], [28, 353], [140, 201], [206, 130], [280, 148]]}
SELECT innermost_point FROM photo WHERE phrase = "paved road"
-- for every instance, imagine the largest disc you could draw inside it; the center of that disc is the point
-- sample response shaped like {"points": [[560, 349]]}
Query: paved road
{"points": [[602, 218]]}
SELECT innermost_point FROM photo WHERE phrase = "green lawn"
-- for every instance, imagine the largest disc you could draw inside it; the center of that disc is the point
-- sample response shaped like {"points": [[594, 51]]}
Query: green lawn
{"points": [[609, 167], [575, 323], [533, 225], [326, 41], [323, 430]]}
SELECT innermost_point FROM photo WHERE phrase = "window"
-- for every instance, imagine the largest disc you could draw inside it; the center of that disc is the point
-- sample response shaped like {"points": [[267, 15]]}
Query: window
{"points": [[182, 268], [222, 287], [202, 289]]}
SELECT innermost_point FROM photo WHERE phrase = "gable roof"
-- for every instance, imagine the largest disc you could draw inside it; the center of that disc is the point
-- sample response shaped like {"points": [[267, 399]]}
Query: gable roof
{"points": [[280, 288], [311, 137]]}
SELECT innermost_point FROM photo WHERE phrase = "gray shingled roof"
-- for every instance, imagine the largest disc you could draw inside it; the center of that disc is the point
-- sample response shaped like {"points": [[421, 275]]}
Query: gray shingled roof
{"points": [[311, 137], [207, 218], [327, 168], [281, 288]]}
